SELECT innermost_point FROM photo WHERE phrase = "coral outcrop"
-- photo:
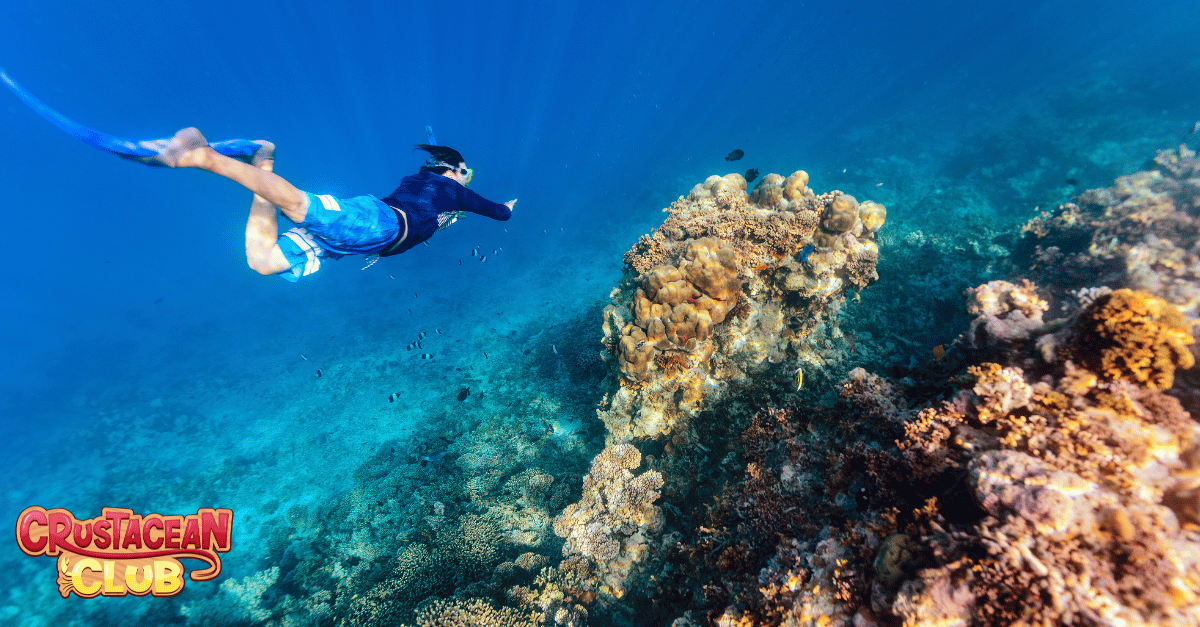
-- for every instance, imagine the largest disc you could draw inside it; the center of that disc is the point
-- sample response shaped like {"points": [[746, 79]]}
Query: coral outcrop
{"points": [[1004, 313], [615, 518], [1055, 481], [1140, 233], [732, 284], [733, 291], [1133, 336]]}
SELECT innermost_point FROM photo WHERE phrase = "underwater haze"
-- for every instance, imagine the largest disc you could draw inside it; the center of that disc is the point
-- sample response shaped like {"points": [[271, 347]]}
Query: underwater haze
{"points": [[147, 367]]}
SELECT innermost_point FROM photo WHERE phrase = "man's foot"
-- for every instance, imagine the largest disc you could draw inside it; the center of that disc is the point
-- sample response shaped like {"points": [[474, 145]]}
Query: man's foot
{"points": [[188, 149], [265, 156]]}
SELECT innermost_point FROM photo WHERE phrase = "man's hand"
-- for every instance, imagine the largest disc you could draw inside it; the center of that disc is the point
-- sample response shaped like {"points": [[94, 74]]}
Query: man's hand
{"points": [[510, 204]]}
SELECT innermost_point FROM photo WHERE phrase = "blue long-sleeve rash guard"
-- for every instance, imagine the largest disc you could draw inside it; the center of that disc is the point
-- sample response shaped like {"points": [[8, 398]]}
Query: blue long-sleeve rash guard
{"points": [[424, 195]]}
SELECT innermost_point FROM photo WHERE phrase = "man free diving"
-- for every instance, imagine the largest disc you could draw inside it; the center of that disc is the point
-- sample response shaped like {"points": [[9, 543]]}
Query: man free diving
{"points": [[327, 227]]}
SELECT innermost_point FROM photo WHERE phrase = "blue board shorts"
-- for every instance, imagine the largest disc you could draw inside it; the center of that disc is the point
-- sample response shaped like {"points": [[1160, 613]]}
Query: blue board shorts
{"points": [[336, 227]]}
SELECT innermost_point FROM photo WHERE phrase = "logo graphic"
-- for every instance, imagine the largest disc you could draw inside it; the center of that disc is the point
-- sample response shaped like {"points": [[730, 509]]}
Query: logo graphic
{"points": [[119, 553]]}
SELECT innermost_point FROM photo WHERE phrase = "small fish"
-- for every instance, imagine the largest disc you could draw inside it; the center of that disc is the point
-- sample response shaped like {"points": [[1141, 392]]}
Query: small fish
{"points": [[410, 310], [483, 258], [735, 155], [409, 347], [391, 276], [562, 229], [432, 459], [485, 355], [415, 295], [501, 248], [421, 336], [425, 243], [318, 373], [495, 251], [802, 256], [1072, 181], [554, 348], [439, 331], [460, 262], [505, 230], [393, 397], [463, 394], [474, 252], [751, 174], [426, 356], [1195, 129], [303, 356], [543, 230]]}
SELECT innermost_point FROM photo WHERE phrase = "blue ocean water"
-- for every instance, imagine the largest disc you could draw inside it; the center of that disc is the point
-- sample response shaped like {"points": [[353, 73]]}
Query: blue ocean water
{"points": [[143, 359]]}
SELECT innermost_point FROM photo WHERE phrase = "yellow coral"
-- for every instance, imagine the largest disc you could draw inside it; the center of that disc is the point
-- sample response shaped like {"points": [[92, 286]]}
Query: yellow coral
{"points": [[796, 186], [872, 215], [680, 304], [1133, 336], [769, 191], [841, 214]]}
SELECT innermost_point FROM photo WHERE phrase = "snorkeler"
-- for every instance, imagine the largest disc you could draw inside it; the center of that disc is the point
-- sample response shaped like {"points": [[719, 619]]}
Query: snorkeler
{"points": [[328, 227]]}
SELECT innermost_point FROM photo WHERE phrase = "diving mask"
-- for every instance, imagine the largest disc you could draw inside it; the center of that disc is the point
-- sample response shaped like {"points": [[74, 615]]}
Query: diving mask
{"points": [[467, 172]]}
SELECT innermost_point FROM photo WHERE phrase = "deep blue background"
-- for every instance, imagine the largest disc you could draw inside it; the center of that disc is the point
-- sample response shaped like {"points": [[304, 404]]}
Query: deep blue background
{"points": [[119, 277]]}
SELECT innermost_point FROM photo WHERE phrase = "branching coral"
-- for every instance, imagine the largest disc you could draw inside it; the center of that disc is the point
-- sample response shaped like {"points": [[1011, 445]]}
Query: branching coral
{"points": [[1133, 336], [471, 613]]}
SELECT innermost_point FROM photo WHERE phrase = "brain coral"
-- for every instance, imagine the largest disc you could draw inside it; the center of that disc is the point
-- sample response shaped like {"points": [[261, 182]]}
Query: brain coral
{"points": [[1132, 336]]}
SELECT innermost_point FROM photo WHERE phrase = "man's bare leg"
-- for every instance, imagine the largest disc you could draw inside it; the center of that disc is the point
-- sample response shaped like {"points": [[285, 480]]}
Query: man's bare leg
{"points": [[262, 227], [189, 149]]}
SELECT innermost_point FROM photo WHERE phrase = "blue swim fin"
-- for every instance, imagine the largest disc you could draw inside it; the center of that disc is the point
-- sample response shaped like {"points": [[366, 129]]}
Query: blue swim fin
{"points": [[141, 150]]}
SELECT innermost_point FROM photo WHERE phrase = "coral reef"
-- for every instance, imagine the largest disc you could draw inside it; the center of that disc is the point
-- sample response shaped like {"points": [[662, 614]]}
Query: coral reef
{"points": [[471, 613], [1042, 468], [1056, 480], [613, 521], [1004, 313], [442, 542], [238, 602], [1133, 336], [1140, 233], [729, 285]]}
